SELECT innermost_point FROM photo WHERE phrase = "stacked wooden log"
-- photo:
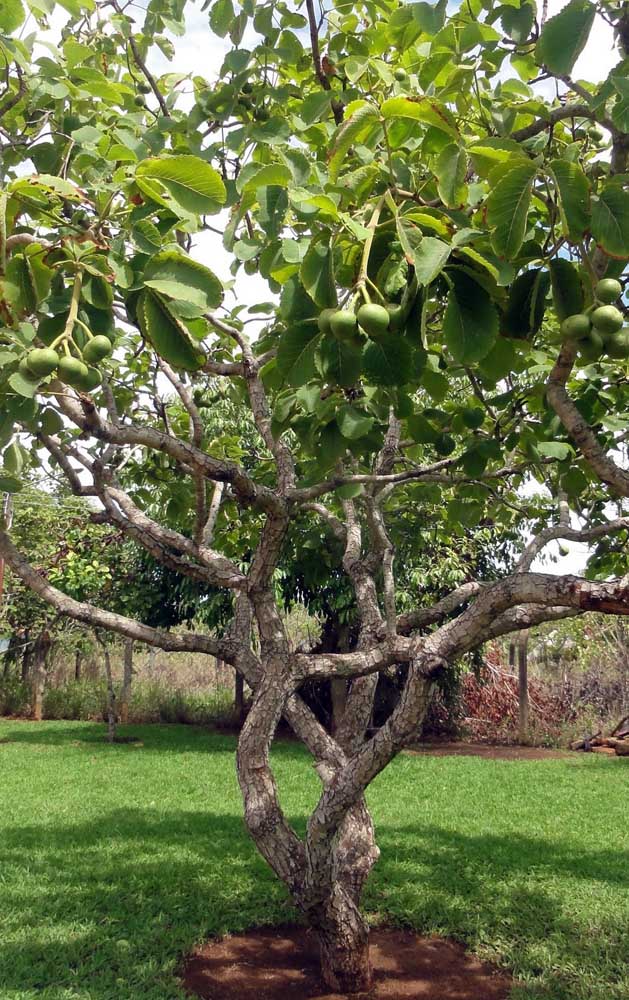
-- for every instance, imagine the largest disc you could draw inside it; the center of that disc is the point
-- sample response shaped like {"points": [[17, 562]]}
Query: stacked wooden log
{"points": [[617, 743]]}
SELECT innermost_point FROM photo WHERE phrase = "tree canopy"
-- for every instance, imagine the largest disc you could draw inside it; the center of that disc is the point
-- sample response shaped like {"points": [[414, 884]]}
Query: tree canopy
{"points": [[440, 214]]}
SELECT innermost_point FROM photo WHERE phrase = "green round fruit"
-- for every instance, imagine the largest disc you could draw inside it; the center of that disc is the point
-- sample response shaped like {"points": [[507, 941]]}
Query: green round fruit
{"points": [[144, 88], [592, 347], [25, 370], [576, 327], [595, 134], [473, 417], [72, 371], [617, 344], [400, 74], [90, 380], [247, 88], [97, 349], [396, 317], [251, 266], [323, 320], [262, 114], [607, 319], [343, 324], [444, 444], [374, 320], [139, 101], [608, 290], [42, 361]]}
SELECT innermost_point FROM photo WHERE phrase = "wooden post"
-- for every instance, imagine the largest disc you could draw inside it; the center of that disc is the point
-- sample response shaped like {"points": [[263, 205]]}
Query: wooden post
{"points": [[125, 694], [523, 683]]}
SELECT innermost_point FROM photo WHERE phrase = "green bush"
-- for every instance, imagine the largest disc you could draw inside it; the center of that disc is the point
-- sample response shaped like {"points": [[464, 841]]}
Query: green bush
{"points": [[14, 697]]}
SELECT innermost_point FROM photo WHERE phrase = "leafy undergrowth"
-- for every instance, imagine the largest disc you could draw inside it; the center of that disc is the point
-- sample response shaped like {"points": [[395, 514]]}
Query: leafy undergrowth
{"points": [[115, 861]]}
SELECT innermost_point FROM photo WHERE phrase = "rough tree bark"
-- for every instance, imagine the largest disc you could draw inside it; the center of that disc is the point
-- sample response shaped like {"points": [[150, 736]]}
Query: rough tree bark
{"points": [[127, 679], [41, 654]]}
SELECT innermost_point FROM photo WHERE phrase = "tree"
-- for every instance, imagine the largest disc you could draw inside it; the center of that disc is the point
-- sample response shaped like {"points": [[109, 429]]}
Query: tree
{"points": [[444, 248]]}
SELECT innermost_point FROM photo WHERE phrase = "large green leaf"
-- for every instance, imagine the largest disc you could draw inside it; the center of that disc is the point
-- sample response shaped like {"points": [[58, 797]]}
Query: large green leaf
{"points": [[518, 21], [429, 259], [574, 198], [450, 170], [339, 361], [421, 109], [167, 333], [567, 288], [610, 219], [507, 209], [355, 128], [316, 274], [11, 15], [527, 303], [353, 423], [296, 353], [179, 277], [470, 323], [564, 37], [190, 181], [388, 362]]}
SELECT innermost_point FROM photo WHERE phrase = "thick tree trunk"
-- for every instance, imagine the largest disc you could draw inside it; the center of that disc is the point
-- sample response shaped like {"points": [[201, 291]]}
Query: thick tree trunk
{"points": [[125, 694], [343, 936], [26, 656], [78, 662]]}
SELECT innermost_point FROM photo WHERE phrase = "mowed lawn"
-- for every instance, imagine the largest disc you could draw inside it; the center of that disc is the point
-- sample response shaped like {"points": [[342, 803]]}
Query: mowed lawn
{"points": [[115, 861]]}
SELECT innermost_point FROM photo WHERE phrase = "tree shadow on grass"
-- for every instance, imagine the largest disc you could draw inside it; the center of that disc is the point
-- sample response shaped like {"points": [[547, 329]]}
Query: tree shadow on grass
{"points": [[113, 905], [539, 903]]}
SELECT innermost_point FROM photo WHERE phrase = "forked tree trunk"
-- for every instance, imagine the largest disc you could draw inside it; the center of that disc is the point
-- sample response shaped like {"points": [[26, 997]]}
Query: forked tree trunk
{"points": [[125, 694]]}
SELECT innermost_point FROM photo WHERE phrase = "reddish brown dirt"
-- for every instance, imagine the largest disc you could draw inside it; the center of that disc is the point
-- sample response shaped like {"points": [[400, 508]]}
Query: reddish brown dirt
{"points": [[487, 750], [281, 964]]}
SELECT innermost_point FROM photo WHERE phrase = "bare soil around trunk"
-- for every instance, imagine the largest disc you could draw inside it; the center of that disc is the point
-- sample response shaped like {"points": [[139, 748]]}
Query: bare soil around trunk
{"points": [[488, 750], [281, 963]]}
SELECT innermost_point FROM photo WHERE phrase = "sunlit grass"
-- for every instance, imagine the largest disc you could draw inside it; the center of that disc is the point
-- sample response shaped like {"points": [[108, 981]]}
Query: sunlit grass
{"points": [[115, 861]]}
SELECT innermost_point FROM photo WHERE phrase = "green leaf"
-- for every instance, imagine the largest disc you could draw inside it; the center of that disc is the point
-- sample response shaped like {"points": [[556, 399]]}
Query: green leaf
{"points": [[11, 16], [421, 430], [429, 16], [507, 209], [273, 174], [296, 353], [167, 333], [190, 181], [388, 362], [317, 276], [574, 198], [146, 236], [179, 277], [567, 289], [564, 37], [451, 169], [518, 21], [610, 219], [555, 449], [430, 258], [348, 134], [9, 484], [421, 109], [339, 361], [470, 324], [353, 423], [23, 385], [526, 304], [222, 17]]}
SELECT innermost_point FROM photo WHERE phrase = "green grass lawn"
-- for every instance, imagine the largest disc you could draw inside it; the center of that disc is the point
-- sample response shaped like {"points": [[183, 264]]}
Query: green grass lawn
{"points": [[115, 861]]}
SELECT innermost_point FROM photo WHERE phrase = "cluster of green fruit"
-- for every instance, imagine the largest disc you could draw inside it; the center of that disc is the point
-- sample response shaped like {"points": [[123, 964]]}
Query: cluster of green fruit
{"points": [[79, 373], [372, 319], [246, 100], [600, 329]]}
